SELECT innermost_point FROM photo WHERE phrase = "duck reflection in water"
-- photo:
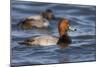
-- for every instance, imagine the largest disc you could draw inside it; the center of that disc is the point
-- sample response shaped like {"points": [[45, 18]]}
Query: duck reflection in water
{"points": [[63, 57]]}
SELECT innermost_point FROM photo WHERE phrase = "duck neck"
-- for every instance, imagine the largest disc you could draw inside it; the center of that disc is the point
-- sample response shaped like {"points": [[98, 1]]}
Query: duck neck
{"points": [[64, 39]]}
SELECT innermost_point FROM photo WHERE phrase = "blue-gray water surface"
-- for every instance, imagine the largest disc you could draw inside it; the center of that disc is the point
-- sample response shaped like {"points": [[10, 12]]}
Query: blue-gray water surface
{"points": [[82, 48]]}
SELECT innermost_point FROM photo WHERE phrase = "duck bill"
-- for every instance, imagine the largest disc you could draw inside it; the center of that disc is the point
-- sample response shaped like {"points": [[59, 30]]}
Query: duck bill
{"points": [[72, 29]]}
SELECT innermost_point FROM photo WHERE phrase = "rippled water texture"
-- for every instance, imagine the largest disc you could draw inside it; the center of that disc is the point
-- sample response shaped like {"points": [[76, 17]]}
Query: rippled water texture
{"points": [[82, 48]]}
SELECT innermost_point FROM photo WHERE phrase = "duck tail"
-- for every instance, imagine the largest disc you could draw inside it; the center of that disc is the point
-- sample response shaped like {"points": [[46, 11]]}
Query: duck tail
{"points": [[19, 25], [22, 25], [22, 42]]}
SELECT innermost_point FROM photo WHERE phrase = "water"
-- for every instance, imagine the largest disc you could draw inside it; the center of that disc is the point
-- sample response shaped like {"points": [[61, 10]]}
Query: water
{"points": [[83, 45]]}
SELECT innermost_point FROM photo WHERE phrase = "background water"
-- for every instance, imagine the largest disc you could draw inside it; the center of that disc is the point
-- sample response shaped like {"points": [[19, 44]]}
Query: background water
{"points": [[82, 48]]}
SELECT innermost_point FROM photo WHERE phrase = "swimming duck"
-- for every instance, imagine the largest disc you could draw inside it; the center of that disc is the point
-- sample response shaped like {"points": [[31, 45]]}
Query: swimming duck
{"points": [[38, 21], [47, 40]]}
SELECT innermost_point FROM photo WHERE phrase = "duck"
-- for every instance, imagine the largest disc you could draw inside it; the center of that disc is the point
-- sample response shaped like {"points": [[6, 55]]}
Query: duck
{"points": [[37, 21], [48, 40]]}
